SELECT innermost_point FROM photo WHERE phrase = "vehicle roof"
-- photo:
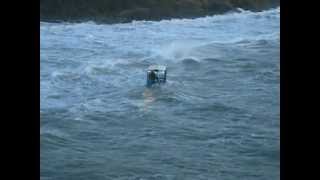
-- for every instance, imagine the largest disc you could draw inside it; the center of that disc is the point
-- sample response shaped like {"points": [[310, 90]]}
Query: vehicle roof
{"points": [[157, 67]]}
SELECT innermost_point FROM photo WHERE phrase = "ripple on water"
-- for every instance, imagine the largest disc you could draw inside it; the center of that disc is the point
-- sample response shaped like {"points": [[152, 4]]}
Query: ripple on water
{"points": [[215, 118]]}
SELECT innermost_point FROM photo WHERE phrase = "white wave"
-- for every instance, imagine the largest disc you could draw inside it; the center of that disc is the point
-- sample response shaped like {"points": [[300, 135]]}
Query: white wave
{"points": [[107, 45], [139, 34]]}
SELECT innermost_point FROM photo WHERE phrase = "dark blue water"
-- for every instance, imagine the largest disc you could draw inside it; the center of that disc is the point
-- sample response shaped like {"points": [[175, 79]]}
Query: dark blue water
{"points": [[217, 117]]}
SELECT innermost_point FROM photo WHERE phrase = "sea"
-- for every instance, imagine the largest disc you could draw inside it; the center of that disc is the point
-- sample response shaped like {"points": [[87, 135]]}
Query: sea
{"points": [[216, 118]]}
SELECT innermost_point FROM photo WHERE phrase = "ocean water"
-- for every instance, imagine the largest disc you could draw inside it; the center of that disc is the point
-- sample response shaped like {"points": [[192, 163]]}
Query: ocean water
{"points": [[217, 117]]}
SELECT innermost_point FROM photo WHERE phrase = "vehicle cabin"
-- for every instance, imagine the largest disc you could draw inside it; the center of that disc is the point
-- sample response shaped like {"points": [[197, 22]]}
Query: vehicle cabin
{"points": [[156, 74]]}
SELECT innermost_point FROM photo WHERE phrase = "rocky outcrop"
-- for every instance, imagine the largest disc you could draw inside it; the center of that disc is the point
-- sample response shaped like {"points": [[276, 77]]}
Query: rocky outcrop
{"points": [[115, 11]]}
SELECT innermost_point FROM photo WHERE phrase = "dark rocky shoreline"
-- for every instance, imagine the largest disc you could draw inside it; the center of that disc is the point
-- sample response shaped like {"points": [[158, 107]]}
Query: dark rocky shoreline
{"points": [[122, 11]]}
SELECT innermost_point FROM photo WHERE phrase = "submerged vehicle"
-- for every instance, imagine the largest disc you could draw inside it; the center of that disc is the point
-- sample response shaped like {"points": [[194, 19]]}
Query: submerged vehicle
{"points": [[156, 74]]}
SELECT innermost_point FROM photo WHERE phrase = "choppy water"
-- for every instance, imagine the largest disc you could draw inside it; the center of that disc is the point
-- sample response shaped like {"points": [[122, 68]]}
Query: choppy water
{"points": [[217, 117]]}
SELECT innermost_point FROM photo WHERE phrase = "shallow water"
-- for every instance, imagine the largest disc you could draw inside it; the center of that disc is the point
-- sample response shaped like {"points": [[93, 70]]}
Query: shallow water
{"points": [[217, 117]]}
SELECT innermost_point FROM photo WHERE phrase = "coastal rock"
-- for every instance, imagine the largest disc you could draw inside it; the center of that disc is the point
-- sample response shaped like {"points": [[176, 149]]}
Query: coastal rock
{"points": [[218, 6], [137, 14], [117, 11]]}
